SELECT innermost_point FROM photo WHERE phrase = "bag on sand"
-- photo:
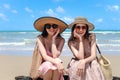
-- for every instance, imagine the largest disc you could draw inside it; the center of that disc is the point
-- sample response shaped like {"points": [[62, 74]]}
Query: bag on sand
{"points": [[105, 65], [36, 62]]}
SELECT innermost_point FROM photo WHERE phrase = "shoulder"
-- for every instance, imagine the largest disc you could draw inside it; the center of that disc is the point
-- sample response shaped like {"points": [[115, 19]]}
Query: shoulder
{"points": [[60, 39], [92, 36], [40, 38], [71, 43]]}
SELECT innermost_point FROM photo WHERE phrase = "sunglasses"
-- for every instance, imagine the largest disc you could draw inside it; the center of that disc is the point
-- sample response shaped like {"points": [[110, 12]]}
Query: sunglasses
{"points": [[48, 26], [80, 27]]}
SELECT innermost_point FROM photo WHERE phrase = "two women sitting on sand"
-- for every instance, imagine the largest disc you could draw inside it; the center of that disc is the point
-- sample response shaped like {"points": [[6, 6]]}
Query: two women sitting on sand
{"points": [[82, 44]]}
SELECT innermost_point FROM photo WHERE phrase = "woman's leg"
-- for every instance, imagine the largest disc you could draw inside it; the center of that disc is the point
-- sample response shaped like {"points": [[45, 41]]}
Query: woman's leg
{"points": [[56, 75], [48, 75]]}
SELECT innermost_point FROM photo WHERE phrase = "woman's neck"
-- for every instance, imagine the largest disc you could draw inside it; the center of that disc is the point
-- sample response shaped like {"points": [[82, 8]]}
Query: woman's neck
{"points": [[49, 37], [77, 39]]}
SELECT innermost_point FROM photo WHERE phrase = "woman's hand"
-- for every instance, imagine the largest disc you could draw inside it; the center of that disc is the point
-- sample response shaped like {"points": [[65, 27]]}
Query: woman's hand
{"points": [[81, 67], [77, 35], [60, 68], [55, 35], [59, 65]]}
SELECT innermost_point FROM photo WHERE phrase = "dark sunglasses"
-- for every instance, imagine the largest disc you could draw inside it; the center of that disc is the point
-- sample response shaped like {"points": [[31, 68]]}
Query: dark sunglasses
{"points": [[48, 26], [81, 27]]}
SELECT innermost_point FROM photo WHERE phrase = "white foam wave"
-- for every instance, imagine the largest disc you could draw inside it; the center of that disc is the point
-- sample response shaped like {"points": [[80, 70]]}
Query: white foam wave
{"points": [[12, 43], [29, 41], [107, 40], [113, 45], [105, 32], [24, 49], [111, 50]]}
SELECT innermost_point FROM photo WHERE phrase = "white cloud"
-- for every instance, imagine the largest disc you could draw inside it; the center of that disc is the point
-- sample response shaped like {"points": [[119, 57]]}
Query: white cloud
{"points": [[28, 10], [50, 12], [116, 19], [56, 0], [113, 8], [67, 19], [60, 9], [6, 6], [3, 17], [99, 20], [32, 16], [14, 11]]}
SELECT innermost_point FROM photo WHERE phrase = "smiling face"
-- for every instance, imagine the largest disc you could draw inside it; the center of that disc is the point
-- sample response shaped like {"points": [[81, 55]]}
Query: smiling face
{"points": [[51, 28], [80, 28]]}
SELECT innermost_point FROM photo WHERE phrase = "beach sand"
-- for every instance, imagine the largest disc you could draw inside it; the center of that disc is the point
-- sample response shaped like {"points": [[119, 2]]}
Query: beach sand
{"points": [[11, 65]]}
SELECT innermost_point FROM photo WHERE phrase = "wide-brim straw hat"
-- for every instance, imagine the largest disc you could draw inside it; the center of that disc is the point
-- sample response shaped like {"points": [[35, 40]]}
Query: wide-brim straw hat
{"points": [[40, 22], [81, 20]]}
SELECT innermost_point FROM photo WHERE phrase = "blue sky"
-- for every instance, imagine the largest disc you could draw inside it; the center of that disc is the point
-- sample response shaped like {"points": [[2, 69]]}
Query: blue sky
{"points": [[21, 14]]}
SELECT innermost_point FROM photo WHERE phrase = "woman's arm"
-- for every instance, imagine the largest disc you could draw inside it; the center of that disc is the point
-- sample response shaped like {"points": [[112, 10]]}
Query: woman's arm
{"points": [[56, 49], [43, 51], [77, 53], [72, 48], [81, 51], [93, 49]]}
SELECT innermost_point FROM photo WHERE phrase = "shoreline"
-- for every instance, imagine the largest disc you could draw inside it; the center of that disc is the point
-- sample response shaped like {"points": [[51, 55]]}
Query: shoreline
{"points": [[13, 65]]}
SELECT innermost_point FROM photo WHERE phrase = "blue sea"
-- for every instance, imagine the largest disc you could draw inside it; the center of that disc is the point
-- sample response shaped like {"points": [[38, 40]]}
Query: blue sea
{"points": [[23, 42]]}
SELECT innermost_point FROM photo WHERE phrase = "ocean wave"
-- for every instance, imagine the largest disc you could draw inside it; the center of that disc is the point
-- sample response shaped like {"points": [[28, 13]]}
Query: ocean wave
{"points": [[29, 41], [15, 43], [11, 48], [99, 40], [105, 32], [110, 45], [111, 50], [12, 43]]}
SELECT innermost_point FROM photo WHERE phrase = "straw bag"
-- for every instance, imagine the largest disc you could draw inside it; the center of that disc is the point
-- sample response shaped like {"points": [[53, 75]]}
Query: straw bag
{"points": [[36, 62], [105, 65]]}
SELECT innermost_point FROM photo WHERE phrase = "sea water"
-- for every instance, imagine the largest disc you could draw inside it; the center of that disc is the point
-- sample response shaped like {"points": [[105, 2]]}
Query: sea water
{"points": [[23, 42]]}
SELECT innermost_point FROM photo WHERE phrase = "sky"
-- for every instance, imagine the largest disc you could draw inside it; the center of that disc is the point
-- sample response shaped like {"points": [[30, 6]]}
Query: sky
{"points": [[20, 14]]}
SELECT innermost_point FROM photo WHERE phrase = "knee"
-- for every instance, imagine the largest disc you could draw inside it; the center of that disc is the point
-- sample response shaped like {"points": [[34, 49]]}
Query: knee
{"points": [[48, 75], [50, 72]]}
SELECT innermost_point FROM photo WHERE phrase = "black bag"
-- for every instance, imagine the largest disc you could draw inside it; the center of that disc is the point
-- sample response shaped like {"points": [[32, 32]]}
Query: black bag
{"points": [[23, 78], [116, 78], [66, 77]]}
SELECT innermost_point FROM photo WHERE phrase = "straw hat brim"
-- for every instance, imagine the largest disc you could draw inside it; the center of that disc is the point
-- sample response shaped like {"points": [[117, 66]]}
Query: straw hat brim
{"points": [[90, 25], [40, 22]]}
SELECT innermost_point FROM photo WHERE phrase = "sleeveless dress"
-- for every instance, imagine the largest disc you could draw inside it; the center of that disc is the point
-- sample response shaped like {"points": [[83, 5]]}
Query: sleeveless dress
{"points": [[46, 65], [92, 69]]}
